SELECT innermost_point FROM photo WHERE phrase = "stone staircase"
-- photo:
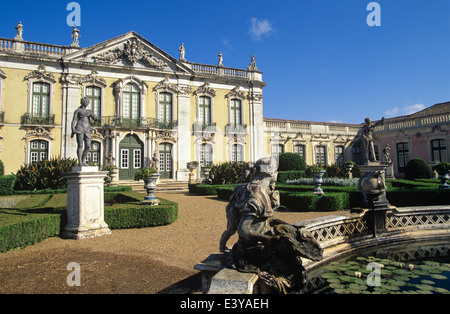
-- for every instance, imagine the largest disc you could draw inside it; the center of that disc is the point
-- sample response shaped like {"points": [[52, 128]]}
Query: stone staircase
{"points": [[165, 185]]}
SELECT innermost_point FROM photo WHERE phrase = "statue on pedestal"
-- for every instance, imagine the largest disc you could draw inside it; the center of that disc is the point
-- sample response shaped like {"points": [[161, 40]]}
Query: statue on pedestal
{"points": [[82, 129], [266, 246], [367, 135]]}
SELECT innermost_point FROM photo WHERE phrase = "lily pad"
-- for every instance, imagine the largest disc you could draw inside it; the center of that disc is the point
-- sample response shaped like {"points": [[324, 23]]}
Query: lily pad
{"points": [[427, 282], [437, 276]]}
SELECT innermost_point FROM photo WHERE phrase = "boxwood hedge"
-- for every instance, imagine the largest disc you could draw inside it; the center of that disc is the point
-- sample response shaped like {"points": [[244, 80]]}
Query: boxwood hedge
{"points": [[41, 216]]}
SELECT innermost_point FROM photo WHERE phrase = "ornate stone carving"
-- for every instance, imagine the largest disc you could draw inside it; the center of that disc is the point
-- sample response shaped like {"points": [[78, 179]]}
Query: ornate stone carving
{"points": [[40, 74], [38, 132], [166, 86], [133, 51], [235, 92], [269, 247], [205, 89], [93, 78]]}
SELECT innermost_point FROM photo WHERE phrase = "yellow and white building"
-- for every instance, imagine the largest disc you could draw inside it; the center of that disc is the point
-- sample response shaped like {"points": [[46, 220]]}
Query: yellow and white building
{"points": [[147, 102]]}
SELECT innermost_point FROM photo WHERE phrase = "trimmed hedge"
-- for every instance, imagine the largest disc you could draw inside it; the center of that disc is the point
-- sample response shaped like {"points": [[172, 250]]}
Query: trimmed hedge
{"points": [[283, 176], [295, 197], [43, 216], [31, 230], [7, 184]]}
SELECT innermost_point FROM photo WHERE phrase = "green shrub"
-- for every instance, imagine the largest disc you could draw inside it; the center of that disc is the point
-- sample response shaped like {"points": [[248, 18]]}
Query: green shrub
{"points": [[7, 184], [333, 202], [416, 168], [125, 216], [291, 161], [2, 168], [28, 231], [284, 176], [332, 171], [45, 174], [226, 173], [442, 167]]}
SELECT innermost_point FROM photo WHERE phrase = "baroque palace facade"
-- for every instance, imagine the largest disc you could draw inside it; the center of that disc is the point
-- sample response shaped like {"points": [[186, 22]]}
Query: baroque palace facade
{"points": [[152, 104], [148, 104]]}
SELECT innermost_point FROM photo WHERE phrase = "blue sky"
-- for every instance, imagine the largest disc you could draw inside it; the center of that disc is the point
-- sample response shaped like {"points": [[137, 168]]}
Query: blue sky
{"points": [[320, 59]]}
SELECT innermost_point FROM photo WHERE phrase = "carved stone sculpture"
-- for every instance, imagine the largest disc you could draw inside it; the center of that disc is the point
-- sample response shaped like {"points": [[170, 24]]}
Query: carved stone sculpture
{"points": [[81, 127], [267, 246], [367, 135]]}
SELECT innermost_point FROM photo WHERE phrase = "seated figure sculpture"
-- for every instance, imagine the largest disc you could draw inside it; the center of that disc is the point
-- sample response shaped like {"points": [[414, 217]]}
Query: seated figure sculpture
{"points": [[267, 246]]}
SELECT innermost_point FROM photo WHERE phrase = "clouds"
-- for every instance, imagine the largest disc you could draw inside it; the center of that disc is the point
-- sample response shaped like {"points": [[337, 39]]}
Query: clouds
{"points": [[404, 111], [260, 29]]}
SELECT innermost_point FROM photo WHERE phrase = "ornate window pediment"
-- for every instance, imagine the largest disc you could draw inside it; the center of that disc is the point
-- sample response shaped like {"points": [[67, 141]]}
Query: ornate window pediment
{"points": [[93, 79], [41, 74], [236, 93], [205, 89]]}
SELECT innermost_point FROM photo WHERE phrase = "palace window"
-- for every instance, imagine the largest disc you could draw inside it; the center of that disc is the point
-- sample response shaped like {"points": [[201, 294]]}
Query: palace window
{"points": [[131, 101], [277, 149], [237, 153], [321, 157], [165, 108], [94, 153], [235, 112], [204, 108], [339, 156], [40, 100], [206, 157], [439, 150], [38, 150], [94, 94], [357, 154], [300, 149], [402, 156]]}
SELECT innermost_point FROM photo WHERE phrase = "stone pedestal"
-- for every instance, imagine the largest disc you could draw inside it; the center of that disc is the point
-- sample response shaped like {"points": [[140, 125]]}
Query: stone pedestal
{"points": [[85, 204], [373, 187], [390, 171]]}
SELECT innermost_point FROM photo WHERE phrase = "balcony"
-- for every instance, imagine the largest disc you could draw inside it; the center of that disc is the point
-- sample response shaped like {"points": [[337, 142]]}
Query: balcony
{"points": [[236, 129], [28, 119], [202, 127], [144, 122]]}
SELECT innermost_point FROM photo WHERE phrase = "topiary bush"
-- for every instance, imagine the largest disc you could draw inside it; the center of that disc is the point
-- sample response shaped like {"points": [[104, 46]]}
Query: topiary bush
{"points": [[291, 161], [226, 173], [45, 174], [416, 168]]}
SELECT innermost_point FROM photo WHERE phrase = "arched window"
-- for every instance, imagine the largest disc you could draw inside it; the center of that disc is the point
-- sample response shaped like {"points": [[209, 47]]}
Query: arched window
{"points": [[94, 153], [38, 150], [237, 153], [131, 102], [206, 154]]}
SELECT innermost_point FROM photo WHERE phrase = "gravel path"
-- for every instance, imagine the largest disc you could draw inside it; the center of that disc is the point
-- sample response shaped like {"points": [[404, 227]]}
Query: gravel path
{"points": [[143, 261]]}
